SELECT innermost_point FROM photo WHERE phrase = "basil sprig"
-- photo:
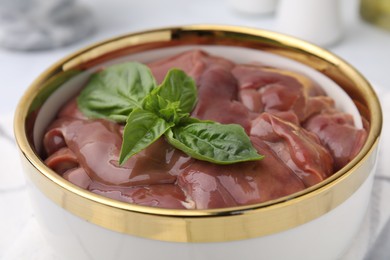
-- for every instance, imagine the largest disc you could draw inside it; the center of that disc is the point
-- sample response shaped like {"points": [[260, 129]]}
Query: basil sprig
{"points": [[128, 93]]}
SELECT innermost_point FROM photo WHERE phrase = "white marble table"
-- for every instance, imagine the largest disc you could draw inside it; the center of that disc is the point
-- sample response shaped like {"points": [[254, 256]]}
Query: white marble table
{"points": [[364, 46]]}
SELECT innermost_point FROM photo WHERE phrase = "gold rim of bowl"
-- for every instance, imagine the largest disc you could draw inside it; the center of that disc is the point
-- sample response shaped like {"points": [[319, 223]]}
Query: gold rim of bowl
{"points": [[214, 225]]}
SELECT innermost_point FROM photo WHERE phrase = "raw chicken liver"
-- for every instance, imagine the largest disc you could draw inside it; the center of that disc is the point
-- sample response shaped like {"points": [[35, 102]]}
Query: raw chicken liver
{"points": [[287, 116]]}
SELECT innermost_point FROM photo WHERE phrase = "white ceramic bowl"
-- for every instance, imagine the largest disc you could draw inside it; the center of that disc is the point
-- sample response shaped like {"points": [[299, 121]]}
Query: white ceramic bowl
{"points": [[317, 223]]}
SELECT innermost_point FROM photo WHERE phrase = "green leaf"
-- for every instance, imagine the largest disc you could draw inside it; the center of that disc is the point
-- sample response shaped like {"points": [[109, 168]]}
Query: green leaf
{"points": [[164, 108], [177, 88], [142, 129], [213, 142], [114, 92]]}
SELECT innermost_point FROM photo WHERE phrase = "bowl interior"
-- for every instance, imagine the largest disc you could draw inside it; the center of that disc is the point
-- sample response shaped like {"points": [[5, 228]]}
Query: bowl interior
{"points": [[237, 54]]}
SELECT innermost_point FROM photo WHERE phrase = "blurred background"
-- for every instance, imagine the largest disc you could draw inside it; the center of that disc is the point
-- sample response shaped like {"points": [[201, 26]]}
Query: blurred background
{"points": [[35, 33]]}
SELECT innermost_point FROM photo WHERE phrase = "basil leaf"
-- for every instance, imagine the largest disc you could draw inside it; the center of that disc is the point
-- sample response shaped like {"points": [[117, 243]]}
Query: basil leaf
{"points": [[172, 113], [114, 92], [164, 108], [177, 88], [142, 129], [213, 142]]}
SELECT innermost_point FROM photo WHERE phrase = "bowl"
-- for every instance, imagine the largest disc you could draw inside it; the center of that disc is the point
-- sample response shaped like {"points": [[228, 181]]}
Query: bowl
{"points": [[317, 223]]}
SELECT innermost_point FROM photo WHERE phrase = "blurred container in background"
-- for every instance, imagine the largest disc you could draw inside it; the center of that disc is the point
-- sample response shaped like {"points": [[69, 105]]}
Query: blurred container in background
{"points": [[376, 12], [253, 7], [316, 21]]}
